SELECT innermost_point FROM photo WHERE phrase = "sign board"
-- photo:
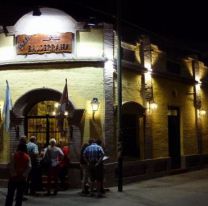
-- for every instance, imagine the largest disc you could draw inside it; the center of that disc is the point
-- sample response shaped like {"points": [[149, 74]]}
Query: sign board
{"points": [[44, 43]]}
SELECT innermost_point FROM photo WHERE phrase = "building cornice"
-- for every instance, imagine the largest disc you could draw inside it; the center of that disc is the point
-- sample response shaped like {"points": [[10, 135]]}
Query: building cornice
{"points": [[99, 62]]}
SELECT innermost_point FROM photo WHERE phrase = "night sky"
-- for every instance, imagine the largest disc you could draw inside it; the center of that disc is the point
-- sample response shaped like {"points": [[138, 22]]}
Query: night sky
{"points": [[180, 22]]}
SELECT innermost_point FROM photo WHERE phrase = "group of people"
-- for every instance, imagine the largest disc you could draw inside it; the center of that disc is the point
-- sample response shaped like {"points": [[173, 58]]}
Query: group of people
{"points": [[26, 169], [28, 164], [91, 162]]}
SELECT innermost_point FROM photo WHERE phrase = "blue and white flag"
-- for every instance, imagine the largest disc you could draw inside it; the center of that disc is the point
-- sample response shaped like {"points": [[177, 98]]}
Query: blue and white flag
{"points": [[7, 107]]}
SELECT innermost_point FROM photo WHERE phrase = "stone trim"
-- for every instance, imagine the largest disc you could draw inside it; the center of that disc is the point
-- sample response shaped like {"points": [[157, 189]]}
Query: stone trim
{"points": [[108, 89]]}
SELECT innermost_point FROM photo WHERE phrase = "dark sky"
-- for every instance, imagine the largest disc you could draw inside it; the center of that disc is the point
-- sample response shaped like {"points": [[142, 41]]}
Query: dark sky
{"points": [[183, 22]]}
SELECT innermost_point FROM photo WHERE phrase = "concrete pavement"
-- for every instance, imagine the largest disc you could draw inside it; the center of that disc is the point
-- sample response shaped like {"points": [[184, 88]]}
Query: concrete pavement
{"points": [[187, 189]]}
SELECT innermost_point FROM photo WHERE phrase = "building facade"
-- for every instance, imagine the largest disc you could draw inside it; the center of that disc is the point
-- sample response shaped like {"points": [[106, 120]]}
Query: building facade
{"points": [[164, 100]]}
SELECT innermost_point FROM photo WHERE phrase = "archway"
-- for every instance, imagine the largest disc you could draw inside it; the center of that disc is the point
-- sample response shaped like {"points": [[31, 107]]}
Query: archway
{"points": [[23, 107], [25, 103], [132, 129]]}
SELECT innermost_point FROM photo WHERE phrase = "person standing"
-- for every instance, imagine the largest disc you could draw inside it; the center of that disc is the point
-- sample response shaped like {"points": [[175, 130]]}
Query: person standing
{"points": [[64, 167], [19, 169], [101, 167], [93, 155], [55, 154], [34, 179]]}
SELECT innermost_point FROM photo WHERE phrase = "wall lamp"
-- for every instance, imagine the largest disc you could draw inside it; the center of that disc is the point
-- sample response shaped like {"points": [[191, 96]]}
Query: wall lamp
{"points": [[202, 112], [153, 105], [95, 105]]}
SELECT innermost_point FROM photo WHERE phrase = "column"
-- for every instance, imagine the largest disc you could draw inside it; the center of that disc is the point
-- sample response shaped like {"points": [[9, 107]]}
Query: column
{"points": [[148, 95], [108, 89], [197, 103]]}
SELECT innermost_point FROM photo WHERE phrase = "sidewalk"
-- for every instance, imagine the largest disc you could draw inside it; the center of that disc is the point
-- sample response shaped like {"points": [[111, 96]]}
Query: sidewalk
{"points": [[187, 189]]}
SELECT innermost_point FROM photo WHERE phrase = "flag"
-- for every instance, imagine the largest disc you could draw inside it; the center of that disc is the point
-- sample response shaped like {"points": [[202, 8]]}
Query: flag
{"points": [[64, 106], [64, 101], [7, 108]]}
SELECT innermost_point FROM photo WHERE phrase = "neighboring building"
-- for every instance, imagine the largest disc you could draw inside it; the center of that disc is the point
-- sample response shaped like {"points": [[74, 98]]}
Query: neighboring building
{"points": [[164, 124]]}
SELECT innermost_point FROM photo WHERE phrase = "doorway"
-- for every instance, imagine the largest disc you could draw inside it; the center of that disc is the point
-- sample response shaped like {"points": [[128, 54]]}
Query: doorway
{"points": [[42, 123], [33, 114], [130, 128], [132, 124], [174, 136]]}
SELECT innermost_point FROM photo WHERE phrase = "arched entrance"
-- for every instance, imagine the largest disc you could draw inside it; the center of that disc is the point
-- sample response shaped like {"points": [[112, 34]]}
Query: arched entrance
{"points": [[32, 114], [42, 122], [132, 130]]}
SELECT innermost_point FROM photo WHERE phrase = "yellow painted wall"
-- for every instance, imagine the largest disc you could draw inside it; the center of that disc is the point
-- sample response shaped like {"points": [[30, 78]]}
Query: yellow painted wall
{"points": [[83, 84], [131, 85], [4, 146], [204, 120], [166, 93], [7, 51], [90, 43], [131, 91], [79, 79], [172, 93]]}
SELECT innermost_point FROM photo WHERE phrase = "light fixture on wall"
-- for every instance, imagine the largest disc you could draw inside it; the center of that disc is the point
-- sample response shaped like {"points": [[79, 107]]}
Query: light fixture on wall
{"points": [[95, 105], [149, 94], [202, 112], [153, 105], [66, 113]]}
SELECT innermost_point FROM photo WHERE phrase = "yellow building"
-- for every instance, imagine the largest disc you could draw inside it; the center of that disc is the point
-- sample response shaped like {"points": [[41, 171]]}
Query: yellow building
{"points": [[164, 124]]}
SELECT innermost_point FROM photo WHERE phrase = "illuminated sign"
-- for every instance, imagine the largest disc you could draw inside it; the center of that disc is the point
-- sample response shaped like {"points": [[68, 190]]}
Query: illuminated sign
{"points": [[44, 43]]}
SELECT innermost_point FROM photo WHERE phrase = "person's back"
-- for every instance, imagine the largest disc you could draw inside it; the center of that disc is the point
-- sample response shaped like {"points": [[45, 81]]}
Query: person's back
{"points": [[94, 155], [55, 154], [19, 169], [64, 166], [66, 150], [93, 152], [35, 177], [21, 160], [32, 148]]}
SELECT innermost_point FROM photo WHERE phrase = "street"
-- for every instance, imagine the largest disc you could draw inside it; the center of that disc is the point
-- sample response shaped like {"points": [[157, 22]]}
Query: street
{"points": [[187, 189]]}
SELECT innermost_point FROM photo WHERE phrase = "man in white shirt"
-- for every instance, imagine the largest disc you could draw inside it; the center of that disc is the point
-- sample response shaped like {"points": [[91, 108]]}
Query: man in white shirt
{"points": [[55, 154]]}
